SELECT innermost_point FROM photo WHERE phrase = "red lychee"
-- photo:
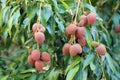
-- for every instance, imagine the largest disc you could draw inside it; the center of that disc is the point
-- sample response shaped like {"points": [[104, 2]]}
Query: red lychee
{"points": [[80, 32], [39, 65], [38, 27], [117, 28], [70, 29], [39, 37], [82, 41], [45, 57], [35, 55], [75, 49], [82, 21], [91, 17], [66, 48], [101, 49], [30, 61]]}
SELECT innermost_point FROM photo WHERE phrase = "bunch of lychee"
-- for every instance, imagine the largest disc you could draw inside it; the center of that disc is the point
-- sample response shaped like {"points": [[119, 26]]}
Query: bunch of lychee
{"points": [[78, 31], [35, 57], [87, 19], [99, 48]]}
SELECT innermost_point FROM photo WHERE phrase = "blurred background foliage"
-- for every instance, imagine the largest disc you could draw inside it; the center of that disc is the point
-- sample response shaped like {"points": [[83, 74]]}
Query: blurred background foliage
{"points": [[16, 37]]}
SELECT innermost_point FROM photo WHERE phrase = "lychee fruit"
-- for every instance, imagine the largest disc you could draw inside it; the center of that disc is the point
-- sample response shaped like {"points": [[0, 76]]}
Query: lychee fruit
{"points": [[75, 49], [82, 21], [80, 32], [39, 65], [30, 61], [95, 44], [82, 41], [101, 49], [35, 55], [66, 48], [38, 27], [70, 29], [45, 57], [91, 17], [117, 28], [39, 37]]}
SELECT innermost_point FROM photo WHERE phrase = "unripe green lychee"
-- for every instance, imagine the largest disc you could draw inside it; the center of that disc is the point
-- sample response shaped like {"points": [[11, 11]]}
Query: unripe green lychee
{"points": [[45, 57], [101, 49], [70, 29], [91, 17], [66, 48], [39, 65], [80, 32], [30, 61], [39, 37], [95, 44], [35, 55], [75, 49]]}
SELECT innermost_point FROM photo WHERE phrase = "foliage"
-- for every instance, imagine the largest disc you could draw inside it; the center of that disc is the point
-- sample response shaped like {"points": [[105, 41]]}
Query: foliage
{"points": [[16, 37]]}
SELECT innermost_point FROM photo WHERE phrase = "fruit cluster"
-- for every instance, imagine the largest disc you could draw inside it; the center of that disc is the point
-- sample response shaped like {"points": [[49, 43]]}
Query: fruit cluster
{"points": [[117, 28], [35, 57], [77, 33], [87, 19], [99, 48]]}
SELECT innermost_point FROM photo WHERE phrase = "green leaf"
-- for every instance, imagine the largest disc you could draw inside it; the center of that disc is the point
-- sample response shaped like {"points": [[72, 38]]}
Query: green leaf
{"points": [[108, 36], [116, 18], [72, 73], [85, 73], [5, 14], [33, 77], [110, 62], [10, 21], [88, 60], [28, 71], [92, 66], [19, 51], [77, 61], [90, 7], [5, 77], [88, 37], [105, 38], [65, 5], [94, 33], [47, 11], [53, 75], [60, 24], [49, 29]]}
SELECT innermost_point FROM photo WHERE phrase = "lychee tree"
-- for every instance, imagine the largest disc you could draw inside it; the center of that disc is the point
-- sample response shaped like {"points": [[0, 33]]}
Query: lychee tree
{"points": [[59, 39]]}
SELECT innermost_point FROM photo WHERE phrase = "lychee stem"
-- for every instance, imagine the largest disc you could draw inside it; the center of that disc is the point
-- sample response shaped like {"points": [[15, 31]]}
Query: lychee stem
{"points": [[90, 3], [37, 46], [101, 65], [77, 8], [39, 14], [72, 39]]}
